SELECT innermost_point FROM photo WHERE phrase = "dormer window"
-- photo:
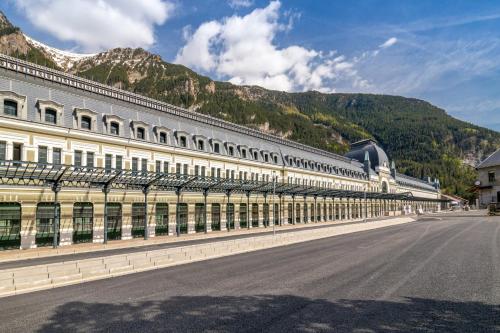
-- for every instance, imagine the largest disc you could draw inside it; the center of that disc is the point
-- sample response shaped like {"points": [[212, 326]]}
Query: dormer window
{"points": [[266, 158], [84, 119], [10, 108], [162, 138], [140, 133], [243, 153], [201, 145], [183, 141], [275, 158], [255, 156], [216, 148], [86, 123], [114, 128], [13, 105], [51, 116], [230, 151]]}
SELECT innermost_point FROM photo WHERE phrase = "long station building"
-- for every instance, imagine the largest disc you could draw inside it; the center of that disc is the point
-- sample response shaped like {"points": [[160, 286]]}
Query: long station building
{"points": [[85, 162]]}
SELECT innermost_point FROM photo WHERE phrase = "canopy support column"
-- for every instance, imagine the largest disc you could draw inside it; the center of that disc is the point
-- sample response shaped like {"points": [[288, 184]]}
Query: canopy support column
{"points": [[56, 188], [205, 195], [105, 190], [293, 209], [177, 212], [145, 190], [228, 218]]}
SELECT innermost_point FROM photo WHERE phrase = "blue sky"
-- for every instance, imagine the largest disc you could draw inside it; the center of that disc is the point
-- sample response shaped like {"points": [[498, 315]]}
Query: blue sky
{"points": [[446, 52]]}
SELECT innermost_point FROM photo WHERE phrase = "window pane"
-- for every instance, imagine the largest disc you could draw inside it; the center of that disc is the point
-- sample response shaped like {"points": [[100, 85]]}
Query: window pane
{"points": [[114, 128], [3, 150], [51, 116], [119, 162], [56, 156], [165, 167], [108, 160], [86, 122], [90, 159], [158, 166], [78, 158], [163, 138], [17, 152], [140, 133], [42, 155], [135, 164], [10, 108], [144, 164]]}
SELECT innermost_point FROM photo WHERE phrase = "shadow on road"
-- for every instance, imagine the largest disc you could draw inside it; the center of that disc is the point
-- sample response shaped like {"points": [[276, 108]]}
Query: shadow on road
{"points": [[275, 314]]}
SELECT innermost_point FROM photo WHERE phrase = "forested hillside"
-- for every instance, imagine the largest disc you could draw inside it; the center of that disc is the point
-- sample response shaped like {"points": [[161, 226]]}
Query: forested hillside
{"points": [[421, 138]]}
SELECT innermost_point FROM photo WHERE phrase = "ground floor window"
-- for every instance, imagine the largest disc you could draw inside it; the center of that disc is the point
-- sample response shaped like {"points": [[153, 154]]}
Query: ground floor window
{"points": [[318, 213], [230, 215], [45, 223], [199, 217], [255, 215], [114, 216], [297, 213], [182, 217], [83, 220], [215, 216], [306, 214], [290, 213], [161, 214], [266, 214], [10, 225], [312, 213], [243, 216], [138, 216]]}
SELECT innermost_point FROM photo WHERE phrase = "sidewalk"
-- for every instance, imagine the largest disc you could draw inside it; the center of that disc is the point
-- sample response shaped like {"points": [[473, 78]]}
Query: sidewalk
{"points": [[139, 244]]}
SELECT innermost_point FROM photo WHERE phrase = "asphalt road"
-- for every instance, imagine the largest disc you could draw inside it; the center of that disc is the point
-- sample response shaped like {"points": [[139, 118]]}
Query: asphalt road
{"points": [[426, 276]]}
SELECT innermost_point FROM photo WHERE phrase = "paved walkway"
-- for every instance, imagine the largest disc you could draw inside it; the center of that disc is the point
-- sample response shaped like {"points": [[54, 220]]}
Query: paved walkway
{"points": [[43, 255]]}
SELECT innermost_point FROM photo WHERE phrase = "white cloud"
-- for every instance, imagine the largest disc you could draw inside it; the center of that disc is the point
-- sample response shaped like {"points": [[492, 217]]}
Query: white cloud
{"points": [[96, 25], [240, 3], [388, 43], [242, 50]]}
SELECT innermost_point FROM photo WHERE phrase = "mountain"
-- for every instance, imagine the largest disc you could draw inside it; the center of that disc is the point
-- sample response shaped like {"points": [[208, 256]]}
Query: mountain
{"points": [[422, 139]]}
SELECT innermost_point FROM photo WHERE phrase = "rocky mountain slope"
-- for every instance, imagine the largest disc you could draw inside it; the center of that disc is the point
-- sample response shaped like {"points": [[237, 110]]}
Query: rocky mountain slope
{"points": [[421, 138]]}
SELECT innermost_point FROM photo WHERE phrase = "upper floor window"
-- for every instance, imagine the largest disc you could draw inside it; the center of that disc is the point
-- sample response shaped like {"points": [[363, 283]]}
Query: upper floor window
{"points": [[266, 158], [3, 150], [51, 116], [17, 152], [57, 156], [162, 138], [183, 141], [255, 156], [140, 133], [86, 123], [114, 128], [230, 151], [275, 159], [10, 108], [243, 153], [201, 145], [42, 154], [13, 105], [491, 176], [85, 119], [216, 148]]}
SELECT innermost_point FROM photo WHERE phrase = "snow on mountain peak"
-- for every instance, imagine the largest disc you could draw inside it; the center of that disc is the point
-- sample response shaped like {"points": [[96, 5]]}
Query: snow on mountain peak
{"points": [[63, 59]]}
